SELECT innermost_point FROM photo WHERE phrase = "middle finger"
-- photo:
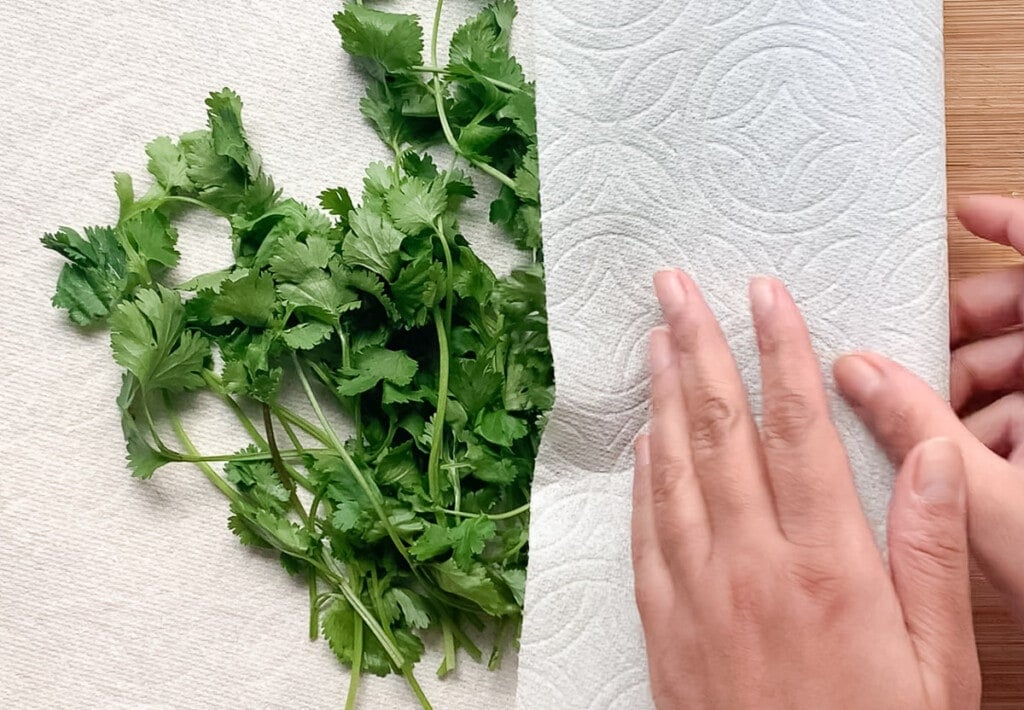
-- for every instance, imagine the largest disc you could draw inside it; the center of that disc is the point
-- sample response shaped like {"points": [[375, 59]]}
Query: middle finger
{"points": [[723, 437], [987, 366]]}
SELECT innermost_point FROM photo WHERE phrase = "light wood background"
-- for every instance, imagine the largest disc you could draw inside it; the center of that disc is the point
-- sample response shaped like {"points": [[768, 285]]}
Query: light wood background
{"points": [[985, 133]]}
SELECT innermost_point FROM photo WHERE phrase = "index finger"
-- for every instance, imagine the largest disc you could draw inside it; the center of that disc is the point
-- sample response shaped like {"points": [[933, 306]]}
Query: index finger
{"points": [[985, 304], [995, 218]]}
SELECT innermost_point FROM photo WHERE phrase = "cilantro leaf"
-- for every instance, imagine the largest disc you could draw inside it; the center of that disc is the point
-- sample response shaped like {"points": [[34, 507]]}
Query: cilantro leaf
{"points": [[433, 542], [149, 340], [388, 41], [337, 201], [475, 585], [468, 539], [96, 279], [143, 459], [306, 335], [152, 239], [415, 205], [249, 299], [320, 295], [419, 287], [167, 164], [501, 428], [294, 260], [224, 110], [371, 366], [373, 243], [413, 607]]}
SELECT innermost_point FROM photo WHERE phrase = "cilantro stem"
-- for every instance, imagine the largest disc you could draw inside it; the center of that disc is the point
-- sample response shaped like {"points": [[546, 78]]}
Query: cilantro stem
{"points": [[357, 663], [442, 114], [437, 435], [411, 679], [326, 567], [287, 415], [371, 491], [254, 456], [183, 437], [357, 409], [448, 663], [218, 386], [281, 469], [291, 435], [152, 428], [449, 274], [314, 610], [143, 205], [445, 72], [496, 516]]}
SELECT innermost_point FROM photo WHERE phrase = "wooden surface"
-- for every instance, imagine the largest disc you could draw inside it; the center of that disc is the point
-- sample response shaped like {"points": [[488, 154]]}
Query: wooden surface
{"points": [[985, 132]]}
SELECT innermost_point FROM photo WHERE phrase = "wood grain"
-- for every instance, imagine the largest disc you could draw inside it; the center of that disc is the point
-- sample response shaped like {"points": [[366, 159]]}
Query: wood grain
{"points": [[985, 134]]}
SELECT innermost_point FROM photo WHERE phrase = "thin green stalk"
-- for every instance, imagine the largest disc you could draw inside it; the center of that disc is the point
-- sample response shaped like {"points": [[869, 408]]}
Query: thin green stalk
{"points": [[466, 643], [437, 434], [423, 68], [314, 609], [287, 415], [442, 114], [254, 456], [357, 605], [411, 679], [497, 516], [183, 437], [357, 410], [142, 205], [217, 386], [339, 448], [152, 428], [299, 478], [357, 664], [449, 660], [449, 275], [281, 469]]}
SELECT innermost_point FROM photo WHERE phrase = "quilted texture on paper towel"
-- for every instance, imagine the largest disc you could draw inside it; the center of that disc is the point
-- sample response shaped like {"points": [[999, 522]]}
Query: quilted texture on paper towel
{"points": [[799, 138]]}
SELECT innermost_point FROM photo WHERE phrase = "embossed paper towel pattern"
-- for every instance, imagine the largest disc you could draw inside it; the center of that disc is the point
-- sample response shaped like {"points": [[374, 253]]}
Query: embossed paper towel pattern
{"points": [[802, 138]]}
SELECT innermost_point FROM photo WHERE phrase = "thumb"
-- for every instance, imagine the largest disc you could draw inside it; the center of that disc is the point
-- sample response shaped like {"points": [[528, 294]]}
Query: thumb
{"points": [[929, 561]]}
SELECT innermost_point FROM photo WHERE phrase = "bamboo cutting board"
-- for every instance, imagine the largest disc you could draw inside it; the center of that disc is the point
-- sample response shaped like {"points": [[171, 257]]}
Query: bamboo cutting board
{"points": [[985, 131]]}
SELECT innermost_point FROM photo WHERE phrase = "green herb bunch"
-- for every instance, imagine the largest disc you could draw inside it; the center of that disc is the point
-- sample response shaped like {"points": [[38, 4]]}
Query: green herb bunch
{"points": [[380, 310]]}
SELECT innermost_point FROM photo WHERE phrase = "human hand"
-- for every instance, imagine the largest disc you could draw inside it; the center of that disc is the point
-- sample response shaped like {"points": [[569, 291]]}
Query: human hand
{"points": [[757, 578], [987, 363]]}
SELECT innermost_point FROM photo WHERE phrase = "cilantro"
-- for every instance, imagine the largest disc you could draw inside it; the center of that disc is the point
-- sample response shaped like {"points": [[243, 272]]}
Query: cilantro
{"points": [[414, 521]]}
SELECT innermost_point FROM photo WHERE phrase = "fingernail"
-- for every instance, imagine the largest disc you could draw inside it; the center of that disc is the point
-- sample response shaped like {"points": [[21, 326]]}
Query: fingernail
{"points": [[642, 448], [762, 297], [660, 350], [858, 378], [937, 472]]}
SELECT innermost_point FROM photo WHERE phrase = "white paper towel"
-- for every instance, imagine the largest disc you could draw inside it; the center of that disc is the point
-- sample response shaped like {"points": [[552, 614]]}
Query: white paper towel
{"points": [[802, 138], [116, 593]]}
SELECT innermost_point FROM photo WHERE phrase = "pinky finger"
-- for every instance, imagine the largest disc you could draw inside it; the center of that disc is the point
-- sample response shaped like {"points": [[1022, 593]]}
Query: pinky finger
{"points": [[652, 580]]}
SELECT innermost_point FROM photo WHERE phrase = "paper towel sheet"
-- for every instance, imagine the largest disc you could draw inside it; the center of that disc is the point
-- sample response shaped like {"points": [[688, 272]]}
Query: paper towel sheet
{"points": [[116, 593], [800, 138]]}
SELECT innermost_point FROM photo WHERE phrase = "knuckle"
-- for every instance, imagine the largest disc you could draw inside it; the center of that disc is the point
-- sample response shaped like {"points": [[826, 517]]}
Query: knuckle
{"points": [[933, 554], [714, 419], [749, 593], [667, 478], [821, 581], [788, 419], [1014, 404], [646, 597], [895, 424]]}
